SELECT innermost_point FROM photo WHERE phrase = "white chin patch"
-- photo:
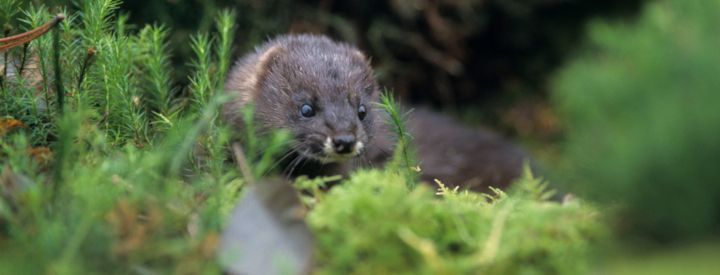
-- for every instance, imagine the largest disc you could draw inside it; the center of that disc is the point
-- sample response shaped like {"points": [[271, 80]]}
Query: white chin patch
{"points": [[328, 147], [358, 149], [331, 156]]}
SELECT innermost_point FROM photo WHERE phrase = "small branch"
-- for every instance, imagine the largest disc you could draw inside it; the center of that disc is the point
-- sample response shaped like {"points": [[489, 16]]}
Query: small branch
{"points": [[19, 39]]}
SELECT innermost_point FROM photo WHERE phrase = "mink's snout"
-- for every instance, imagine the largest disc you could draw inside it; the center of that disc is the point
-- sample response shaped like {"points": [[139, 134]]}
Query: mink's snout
{"points": [[343, 144]]}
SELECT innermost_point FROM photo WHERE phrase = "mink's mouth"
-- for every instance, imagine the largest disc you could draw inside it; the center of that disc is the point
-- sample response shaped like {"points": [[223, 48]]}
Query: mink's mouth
{"points": [[324, 152], [331, 155]]}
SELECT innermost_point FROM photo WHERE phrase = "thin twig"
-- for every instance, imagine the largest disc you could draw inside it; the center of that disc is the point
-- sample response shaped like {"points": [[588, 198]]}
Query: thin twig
{"points": [[23, 60], [5, 60], [58, 73], [86, 65], [3, 77], [242, 163]]}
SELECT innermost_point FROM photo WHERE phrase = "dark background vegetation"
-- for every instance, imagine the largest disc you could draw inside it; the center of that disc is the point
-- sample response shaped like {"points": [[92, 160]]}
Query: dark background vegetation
{"points": [[487, 59]]}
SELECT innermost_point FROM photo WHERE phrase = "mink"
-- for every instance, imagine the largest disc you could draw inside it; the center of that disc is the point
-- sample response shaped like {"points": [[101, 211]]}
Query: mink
{"points": [[325, 93]]}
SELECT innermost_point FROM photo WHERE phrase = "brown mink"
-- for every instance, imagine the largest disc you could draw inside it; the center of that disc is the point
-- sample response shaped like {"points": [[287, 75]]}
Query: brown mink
{"points": [[325, 94]]}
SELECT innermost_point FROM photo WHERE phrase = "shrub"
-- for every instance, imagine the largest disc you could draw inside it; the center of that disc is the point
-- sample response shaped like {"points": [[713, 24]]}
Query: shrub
{"points": [[643, 121]]}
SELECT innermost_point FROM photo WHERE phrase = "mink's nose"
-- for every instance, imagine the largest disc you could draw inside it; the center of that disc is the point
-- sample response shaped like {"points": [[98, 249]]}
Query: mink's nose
{"points": [[343, 144]]}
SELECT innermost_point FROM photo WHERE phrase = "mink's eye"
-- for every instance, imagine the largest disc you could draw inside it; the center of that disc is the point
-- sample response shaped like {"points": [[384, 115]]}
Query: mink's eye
{"points": [[362, 112], [306, 110]]}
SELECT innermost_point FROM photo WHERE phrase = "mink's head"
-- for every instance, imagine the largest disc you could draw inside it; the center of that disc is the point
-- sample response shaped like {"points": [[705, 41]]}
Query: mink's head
{"points": [[323, 92]]}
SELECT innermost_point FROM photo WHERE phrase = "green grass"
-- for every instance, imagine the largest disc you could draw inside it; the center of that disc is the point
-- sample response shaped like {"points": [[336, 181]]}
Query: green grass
{"points": [[133, 175], [694, 258]]}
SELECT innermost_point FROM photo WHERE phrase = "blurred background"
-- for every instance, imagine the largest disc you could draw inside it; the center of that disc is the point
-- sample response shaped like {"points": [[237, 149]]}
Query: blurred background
{"points": [[620, 99], [488, 60]]}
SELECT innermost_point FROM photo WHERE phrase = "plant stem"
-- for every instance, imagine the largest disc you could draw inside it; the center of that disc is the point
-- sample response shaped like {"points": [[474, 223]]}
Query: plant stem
{"points": [[58, 74], [86, 65], [23, 60], [2, 81]]}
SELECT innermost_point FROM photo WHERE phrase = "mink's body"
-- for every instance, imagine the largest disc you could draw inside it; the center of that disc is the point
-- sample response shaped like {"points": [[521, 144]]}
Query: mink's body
{"points": [[457, 155], [324, 93]]}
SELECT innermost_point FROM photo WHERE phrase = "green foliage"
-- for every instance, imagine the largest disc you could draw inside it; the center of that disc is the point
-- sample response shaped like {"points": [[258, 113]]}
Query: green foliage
{"points": [[157, 69], [226, 29], [201, 84], [404, 157], [107, 209], [98, 19], [643, 120], [114, 184], [374, 224], [34, 17], [8, 10], [124, 118]]}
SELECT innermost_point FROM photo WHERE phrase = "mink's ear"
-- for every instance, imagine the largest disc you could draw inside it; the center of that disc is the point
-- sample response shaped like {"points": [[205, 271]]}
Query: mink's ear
{"points": [[373, 90], [357, 54], [267, 60], [247, 79]]}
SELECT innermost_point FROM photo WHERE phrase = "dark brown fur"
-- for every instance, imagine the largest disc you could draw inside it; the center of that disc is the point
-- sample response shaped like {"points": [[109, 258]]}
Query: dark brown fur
{"points": [[289, 71]]}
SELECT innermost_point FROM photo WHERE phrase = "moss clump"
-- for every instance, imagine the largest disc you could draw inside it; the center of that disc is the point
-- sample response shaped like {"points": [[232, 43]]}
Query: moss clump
{"points": [[374, 224]]}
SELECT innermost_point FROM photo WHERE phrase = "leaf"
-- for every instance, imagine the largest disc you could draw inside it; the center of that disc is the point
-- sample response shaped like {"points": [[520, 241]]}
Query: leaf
{"points": [[267, 233]]}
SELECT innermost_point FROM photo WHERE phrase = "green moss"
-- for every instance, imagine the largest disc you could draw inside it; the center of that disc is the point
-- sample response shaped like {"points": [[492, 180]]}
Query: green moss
{"points": [[373, 224]]}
